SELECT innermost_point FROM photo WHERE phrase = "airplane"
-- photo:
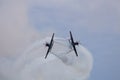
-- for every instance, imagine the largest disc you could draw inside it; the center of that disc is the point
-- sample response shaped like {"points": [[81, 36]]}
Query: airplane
{"points": [[71, 41], [49, 45]]}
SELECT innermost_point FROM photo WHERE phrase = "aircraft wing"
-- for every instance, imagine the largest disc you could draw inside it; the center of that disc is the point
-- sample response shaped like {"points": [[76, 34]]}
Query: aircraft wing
{"points": [[75, 50]]}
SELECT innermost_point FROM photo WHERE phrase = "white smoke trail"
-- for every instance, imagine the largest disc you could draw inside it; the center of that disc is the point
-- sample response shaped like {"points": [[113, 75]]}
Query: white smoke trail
{"points": [[15, 36], [31, 65]]}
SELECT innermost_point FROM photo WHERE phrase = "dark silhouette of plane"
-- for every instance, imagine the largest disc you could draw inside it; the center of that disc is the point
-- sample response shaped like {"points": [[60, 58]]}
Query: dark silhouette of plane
{"points": [[49, 45], [73, 43]]}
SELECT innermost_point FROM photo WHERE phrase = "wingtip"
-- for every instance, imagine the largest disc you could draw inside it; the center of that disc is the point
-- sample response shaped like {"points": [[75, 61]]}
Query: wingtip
{"points": [[77, 55], [45, 57], [53, 34]]}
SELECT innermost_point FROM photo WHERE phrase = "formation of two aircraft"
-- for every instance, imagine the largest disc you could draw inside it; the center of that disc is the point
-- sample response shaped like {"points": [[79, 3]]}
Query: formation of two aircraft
{"points": [[71, 41]]}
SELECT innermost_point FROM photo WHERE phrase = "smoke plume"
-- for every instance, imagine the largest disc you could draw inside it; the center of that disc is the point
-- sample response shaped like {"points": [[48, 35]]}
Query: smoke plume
{"points": [[20, 55]]}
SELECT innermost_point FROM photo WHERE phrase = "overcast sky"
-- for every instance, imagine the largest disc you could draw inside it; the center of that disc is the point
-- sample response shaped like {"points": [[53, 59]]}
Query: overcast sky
{"points": [[95, 23]]}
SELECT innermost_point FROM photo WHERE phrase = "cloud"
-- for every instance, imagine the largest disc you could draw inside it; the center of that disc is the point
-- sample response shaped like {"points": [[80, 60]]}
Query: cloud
{"points": [[16, 33], [15, 30], [32, 66]]}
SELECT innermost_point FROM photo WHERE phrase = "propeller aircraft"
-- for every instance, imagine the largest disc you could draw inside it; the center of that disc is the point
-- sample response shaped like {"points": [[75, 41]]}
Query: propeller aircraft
{"points": [[71, 42]]}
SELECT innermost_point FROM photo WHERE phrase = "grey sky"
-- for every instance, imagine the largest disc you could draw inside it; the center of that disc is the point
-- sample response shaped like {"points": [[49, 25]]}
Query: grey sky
{"points": [[94, 16], [95, 23]]}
